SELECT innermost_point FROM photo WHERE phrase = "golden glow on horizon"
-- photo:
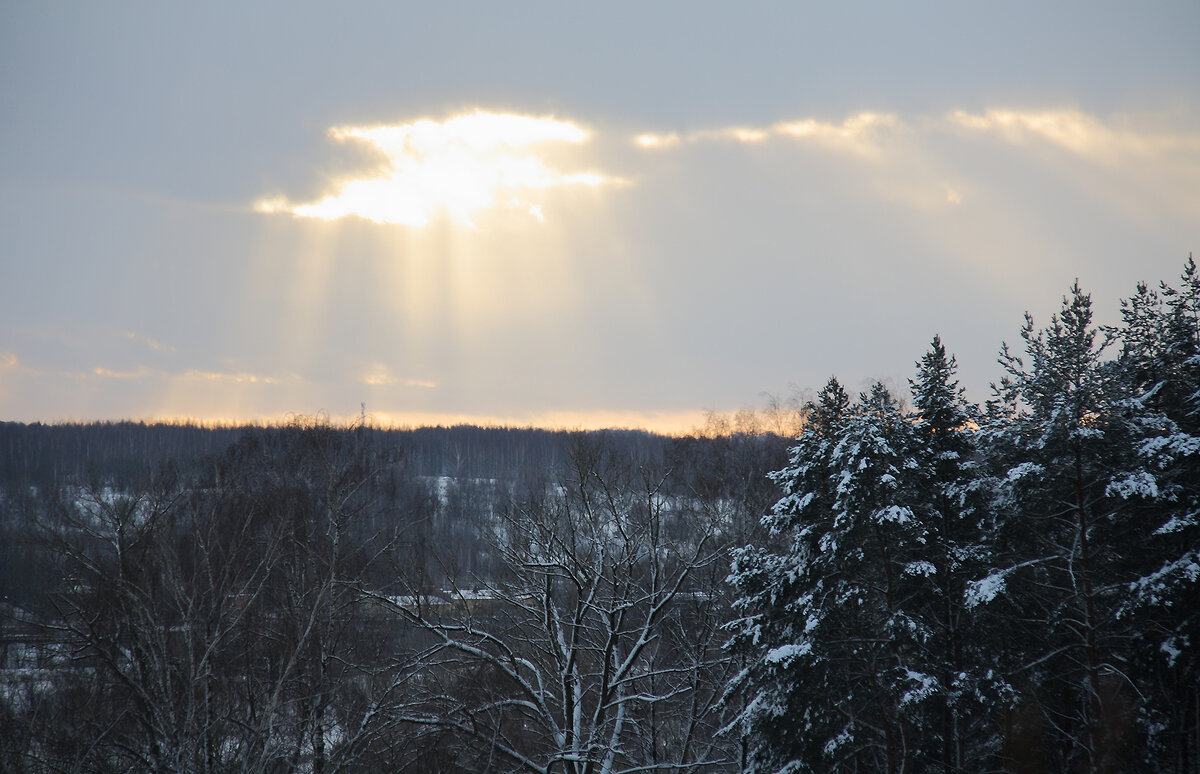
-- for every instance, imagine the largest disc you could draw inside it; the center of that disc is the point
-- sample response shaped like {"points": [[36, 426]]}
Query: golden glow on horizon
{"points": [[664, 422], [219, 398], [679, 423], [468, 164]]}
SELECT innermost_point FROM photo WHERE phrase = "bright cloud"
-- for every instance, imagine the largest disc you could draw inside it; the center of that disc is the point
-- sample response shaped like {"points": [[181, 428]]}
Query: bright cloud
{"points": [[657, 140], [857, 133], [218, 376], [1146, 168], [110, 373], [1134, 163], [191, 375], [462, 166], [748, 135], [864, 133], [1077, 132]]}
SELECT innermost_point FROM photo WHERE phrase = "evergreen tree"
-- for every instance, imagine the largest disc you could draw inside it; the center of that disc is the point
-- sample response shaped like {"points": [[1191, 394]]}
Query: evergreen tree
{"points": [[1160, 371], [1057, 441], [949, 500], [782, 720], [835, 626]]}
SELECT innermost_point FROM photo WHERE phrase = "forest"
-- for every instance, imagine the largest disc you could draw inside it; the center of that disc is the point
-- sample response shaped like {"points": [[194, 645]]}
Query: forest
{"points": [[874, 583]]}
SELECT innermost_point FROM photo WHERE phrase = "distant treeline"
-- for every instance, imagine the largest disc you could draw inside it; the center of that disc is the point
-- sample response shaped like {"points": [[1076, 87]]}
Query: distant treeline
{"points": [[48, 455]]}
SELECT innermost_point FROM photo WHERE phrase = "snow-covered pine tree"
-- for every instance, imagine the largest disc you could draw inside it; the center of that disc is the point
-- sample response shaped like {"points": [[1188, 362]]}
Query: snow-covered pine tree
{"points": [[950, 502], [1160, 371], [779, 603], [833, 627], [1055, 439]]}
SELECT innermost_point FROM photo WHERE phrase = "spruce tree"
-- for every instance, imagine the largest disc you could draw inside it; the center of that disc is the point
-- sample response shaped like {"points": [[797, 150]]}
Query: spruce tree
{"points": [[1159, 369], [1056, 440], [834, 626], [778, 600], [950, 501]]}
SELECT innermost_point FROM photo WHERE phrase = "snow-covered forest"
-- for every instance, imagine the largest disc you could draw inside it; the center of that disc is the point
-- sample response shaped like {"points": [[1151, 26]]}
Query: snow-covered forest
{"points": [[909, 583]]}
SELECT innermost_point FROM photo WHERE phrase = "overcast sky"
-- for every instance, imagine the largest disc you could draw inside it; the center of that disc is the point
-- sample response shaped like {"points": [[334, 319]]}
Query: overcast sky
{"points": [[541, 213]]}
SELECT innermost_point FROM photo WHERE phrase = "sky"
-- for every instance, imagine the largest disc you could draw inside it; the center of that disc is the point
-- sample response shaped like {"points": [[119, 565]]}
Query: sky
{"points": [[567, 214]]}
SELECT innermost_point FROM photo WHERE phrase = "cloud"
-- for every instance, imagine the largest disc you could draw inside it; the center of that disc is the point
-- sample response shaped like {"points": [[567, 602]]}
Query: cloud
{"points": [[218, 376], [1078, 132], [190, 375], [856, 133], [379, 375], [462, 166], [153, 344], [108, 373], [863, 133], [651, 140], [1138, 166]]}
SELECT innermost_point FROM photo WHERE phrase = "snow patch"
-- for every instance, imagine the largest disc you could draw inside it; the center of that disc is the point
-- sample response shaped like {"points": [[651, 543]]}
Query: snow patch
{"points": [[1180, 444], [1023, 470], [1177, 523], [894, 513], [982, 591], [786, 653], [1172, 648], [1136, 484], [840, 740], [923, 686], [921, 568]]}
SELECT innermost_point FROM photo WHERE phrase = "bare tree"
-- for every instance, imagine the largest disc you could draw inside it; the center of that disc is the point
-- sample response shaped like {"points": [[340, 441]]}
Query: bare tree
{"points": [[596, 648], [215, 625]]}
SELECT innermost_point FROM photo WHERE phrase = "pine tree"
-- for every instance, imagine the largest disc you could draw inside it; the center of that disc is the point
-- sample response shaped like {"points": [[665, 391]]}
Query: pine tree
{"points": [[782, 721], [1011, 590], [951, 504], [1159, 368], [1057, 440], [834, 626]]}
